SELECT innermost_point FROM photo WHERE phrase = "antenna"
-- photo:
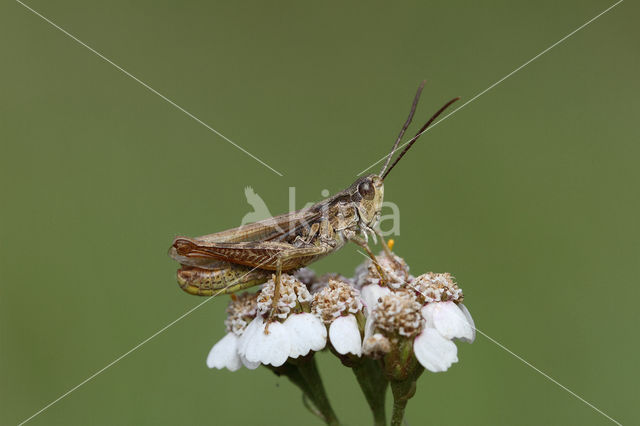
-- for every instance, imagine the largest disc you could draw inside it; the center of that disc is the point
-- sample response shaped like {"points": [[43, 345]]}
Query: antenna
{"points": [[415, 138], [405, 126]]}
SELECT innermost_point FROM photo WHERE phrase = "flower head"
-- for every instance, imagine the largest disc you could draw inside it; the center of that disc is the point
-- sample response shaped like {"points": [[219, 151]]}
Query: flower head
{"points": [[240, 311], [294, 297], [337, 305], [446, 318], [432, 287], [396, 270], [427, 310], [338, 298], [295, 333], [398, 313]]}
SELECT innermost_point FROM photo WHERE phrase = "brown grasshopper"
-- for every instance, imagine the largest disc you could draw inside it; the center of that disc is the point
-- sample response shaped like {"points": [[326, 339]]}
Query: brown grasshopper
{"points": [[232, 260]]}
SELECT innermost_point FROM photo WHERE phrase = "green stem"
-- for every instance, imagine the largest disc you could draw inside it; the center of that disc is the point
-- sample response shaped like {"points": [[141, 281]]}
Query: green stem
{"points": [[309, 371], [403, 370], [398, 412], [374, 386], [293, 374], [402, 390]]}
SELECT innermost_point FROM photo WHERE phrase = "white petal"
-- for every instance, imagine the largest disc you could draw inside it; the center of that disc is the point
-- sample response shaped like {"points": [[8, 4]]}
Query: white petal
{"points": [[433, 351], [467, 315], [448, 319], [306, 332], [272, 348], [224, 354], [426, 311], [369, 327], [250, 365], [254, 326], [345, 335], [371, 293]]}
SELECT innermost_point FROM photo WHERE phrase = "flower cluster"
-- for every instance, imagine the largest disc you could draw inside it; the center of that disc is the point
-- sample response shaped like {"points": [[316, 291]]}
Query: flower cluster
{"points": [[364, 316], [385, 324], [252, 340], [338, 305]]}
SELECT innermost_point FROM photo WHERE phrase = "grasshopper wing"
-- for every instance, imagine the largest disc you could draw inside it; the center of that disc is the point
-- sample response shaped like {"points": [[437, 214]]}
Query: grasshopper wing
{"points": [[208, 251], [259, 254]]}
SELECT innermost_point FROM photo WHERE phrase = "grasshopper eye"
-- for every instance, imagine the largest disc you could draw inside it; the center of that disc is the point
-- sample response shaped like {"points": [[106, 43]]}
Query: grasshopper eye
{"points": [[366, 190]]}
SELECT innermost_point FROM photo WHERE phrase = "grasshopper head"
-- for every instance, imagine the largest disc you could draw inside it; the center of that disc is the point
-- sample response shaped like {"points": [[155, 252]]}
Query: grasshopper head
{"points": [[367, 193]]}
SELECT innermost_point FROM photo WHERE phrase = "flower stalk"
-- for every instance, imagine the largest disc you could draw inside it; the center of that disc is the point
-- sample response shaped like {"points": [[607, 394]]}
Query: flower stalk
{"points": [[374, 386], [403, 391], [303, 373], [309, 372]]}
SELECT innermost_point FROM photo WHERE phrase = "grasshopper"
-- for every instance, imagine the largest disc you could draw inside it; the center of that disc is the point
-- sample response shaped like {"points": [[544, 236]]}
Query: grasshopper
{"points": [[232, 260]]}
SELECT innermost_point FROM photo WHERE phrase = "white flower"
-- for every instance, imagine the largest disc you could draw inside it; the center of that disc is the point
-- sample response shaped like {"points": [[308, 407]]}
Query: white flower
{"points": [[306, 332], [224, 354], [448, 319], [337, 305], [429, 312], [344, 335], [433, 351], [393, 318], [256, 346], [252, 341], [444, 321], [398, 313], [432, 287], [294, 334], [294, 297]]}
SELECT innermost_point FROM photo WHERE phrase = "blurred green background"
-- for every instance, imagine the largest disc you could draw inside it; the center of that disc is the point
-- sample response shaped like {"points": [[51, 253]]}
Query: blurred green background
{"points": [[529, 195]]}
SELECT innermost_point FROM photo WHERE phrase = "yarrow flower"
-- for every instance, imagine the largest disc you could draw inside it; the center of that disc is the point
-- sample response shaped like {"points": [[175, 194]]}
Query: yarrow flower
{"points": [[295, 333], [368, 280], [446, 318], [427, 309], [224, 354], [396, 316], [338, 305], [398, 312], [384, 326], [396, 270]]}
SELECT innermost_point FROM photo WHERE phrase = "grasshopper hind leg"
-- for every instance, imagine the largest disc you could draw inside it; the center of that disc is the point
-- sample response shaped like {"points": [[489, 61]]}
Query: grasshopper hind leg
{"points": [[226, 279]]}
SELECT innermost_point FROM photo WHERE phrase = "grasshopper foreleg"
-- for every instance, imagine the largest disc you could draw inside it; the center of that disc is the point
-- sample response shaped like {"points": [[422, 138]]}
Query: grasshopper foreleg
{"points": [[386, 249], [351, 236]]}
